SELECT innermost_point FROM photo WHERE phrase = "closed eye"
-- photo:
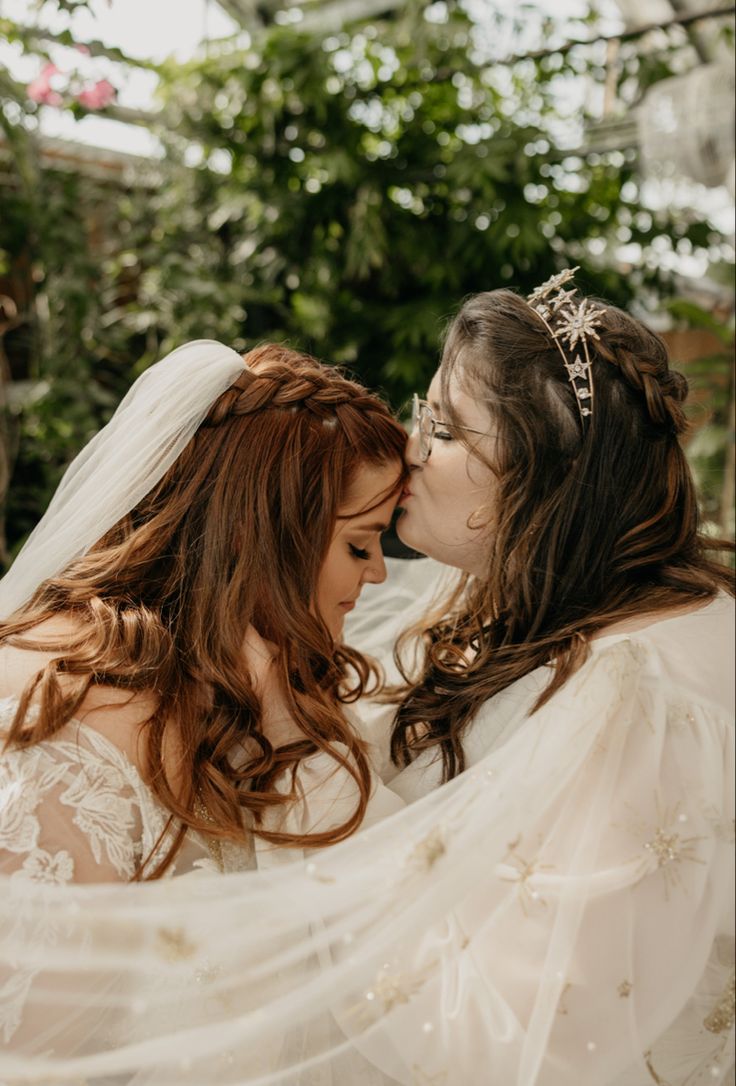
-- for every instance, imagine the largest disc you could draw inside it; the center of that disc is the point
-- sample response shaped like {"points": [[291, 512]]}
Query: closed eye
{"points": [[358, 552]]}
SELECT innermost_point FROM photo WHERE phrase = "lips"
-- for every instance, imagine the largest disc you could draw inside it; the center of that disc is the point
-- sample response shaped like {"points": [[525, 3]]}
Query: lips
{"points": [[346, 605], [405, 493]]}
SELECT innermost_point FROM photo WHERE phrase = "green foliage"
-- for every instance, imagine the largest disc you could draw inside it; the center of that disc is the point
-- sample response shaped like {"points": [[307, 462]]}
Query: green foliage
{"points": [[341, 193], [352, 191], [712, 393]]}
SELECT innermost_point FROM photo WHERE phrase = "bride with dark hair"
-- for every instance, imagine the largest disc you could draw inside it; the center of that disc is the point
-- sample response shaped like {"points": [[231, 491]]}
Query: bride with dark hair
{"points": [[582, 665], [554, 905], [556, 481]]}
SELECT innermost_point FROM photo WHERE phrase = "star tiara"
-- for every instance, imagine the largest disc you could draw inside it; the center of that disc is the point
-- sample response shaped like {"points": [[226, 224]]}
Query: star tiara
{"points": [[573, 323]]}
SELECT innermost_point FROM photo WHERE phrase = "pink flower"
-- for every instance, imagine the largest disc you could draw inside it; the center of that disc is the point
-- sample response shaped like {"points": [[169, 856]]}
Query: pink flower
{"points": [[83, 49], [44, 96], [98, 96], [40, 89]]}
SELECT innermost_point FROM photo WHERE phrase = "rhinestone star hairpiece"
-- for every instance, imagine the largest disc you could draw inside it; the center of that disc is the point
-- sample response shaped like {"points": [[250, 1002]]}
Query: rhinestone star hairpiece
{"points": [[572, 323]]}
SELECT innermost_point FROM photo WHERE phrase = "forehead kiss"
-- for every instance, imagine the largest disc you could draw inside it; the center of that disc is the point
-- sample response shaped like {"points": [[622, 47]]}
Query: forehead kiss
{"points": [[354, 556]]}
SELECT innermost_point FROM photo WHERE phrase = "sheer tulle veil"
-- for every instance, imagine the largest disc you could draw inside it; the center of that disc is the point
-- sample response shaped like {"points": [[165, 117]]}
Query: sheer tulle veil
{"points": [[541, 920], [125, 460]]}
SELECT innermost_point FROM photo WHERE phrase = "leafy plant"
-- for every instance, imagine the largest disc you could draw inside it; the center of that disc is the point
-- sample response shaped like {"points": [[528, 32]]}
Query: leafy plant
{"points": [[342, 192]]}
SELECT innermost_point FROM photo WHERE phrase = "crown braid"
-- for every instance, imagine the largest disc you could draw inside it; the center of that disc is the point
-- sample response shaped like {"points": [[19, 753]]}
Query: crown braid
{"points": [[641, 358], [281, 384]]}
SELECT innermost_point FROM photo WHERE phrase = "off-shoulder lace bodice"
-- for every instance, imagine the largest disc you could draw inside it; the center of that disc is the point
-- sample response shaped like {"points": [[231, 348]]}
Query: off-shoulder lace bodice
{"points": [[75, 808]]}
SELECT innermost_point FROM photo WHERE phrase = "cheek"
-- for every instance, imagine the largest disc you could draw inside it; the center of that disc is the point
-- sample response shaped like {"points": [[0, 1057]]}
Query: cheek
{"points": [[335, 576], [464, 488], [458, 479]]}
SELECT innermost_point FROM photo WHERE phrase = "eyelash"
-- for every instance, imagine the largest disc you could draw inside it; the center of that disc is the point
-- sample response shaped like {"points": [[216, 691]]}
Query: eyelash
{"points": [[358, 552], [443, 435]]}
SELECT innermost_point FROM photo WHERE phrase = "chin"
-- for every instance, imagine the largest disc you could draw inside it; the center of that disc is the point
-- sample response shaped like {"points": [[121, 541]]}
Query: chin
{"points": [[410, 538]]}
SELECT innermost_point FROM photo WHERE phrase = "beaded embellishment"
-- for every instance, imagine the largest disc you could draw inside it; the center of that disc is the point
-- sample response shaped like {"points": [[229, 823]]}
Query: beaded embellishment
{"points": [[570, 323]]}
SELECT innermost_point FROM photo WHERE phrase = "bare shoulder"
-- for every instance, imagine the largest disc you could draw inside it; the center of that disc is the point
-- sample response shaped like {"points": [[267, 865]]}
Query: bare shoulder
{"points": [[117, 714], [19, 665]]}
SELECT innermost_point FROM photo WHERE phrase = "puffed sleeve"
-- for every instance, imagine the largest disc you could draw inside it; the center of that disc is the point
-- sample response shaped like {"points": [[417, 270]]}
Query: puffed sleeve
{"points": [[591, 936]]}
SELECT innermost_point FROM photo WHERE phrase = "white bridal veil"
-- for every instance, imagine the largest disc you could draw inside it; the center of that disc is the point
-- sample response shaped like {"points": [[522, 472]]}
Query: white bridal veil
{"points": [[125, 460], [557, 915]]}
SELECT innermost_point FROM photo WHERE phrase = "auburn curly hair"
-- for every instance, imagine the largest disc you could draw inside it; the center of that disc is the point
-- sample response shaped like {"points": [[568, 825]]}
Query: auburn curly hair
{"points": [[234, 534]]}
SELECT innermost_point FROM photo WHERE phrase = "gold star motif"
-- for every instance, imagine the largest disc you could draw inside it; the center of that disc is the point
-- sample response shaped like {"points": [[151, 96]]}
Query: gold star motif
{"points": [[426, 854], [388, 990], [670, 850], [721, 1018], [552, 285], [393, 989], [665, 849], [665, 846], [577, 323], [521, 871], [174, 945], [724, 829], [422, 1078]]}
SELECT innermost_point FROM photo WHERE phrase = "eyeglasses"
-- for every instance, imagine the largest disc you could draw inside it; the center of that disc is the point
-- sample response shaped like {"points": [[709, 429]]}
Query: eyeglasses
{"points": [[424, 423]]}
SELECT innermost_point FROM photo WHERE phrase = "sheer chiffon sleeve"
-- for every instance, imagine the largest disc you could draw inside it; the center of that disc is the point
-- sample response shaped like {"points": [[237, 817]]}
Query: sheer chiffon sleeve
{"points": [[326, 796], [591, 941]]}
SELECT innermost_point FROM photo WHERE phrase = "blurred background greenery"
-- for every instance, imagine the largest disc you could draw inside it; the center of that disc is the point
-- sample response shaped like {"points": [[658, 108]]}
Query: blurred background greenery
{"points": [[339, 176]]}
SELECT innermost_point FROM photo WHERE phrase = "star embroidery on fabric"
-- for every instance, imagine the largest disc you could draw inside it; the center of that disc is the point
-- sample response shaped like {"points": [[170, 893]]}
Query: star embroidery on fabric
{"points": [[395, 988], [428, 851], [665, 848], [174, 945], [521, 871], [388, 990], [422, 1078], [721, 1018]]}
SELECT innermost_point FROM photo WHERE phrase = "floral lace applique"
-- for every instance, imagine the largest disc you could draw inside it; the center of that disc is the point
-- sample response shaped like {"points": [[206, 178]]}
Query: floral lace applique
{"points": [[74, 808]]}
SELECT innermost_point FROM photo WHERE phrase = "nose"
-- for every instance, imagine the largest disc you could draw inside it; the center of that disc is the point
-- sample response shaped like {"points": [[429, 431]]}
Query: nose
{"points": [[411, 454], [375, 572]]}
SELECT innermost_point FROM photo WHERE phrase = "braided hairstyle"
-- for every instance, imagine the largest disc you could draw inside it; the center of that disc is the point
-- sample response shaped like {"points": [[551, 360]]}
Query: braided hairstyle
{"points": [[235, 533], [586, 525]]}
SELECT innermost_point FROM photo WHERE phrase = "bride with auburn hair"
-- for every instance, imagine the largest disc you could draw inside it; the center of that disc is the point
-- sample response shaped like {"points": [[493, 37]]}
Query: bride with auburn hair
{"points": [[173, 682], [554, 905]]}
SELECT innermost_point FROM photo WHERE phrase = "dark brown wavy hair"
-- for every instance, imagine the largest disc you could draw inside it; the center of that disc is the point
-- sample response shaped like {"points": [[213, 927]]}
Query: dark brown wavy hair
{"points": [[584, 528], [235, 533]]}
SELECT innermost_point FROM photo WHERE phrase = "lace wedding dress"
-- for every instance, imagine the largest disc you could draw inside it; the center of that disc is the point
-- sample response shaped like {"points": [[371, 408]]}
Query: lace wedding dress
{"points": [[74, 809]]}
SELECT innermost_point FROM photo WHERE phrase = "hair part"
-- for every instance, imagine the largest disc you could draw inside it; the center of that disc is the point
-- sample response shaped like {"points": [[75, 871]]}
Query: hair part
{"points": [[584, 529], [234, 534]]}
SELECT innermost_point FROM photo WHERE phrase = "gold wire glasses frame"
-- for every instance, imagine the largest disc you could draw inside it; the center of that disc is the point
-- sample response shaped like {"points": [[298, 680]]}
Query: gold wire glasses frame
{"points": [[424, 422]]}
